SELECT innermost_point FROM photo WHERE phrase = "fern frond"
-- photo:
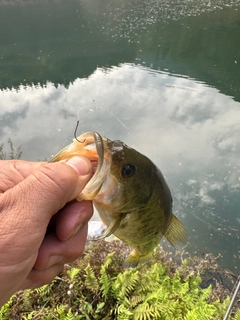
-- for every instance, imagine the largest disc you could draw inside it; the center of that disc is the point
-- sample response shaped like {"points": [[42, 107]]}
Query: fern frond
{"points": [[44, 290], [105, 280], [136, 300], [108, 260], [69, 316], [124, 284], [60, 309], [122, 313], [203, 312], [5, 309], [106, 283], [237, 315], [146, 311], [91, 281], [72, 273]]}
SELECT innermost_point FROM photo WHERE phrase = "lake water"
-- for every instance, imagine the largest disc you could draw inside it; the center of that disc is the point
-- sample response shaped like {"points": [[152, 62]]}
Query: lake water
{"points": [[163, 76]]}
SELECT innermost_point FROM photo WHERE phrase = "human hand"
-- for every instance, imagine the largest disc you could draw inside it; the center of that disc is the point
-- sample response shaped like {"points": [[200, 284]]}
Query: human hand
{"points": [[36, 197]]}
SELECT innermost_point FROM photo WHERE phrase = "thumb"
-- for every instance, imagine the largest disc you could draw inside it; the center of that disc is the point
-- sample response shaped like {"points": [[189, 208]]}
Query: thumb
{"points": [[28, 206]]}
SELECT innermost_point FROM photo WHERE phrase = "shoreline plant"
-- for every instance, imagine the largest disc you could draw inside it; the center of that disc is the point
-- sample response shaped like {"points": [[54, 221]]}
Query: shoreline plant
{"points": [[97, 287], [12, 153]]}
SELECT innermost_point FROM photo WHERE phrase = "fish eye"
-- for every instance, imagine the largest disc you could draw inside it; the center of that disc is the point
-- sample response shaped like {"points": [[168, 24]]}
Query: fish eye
{"points": [[128, 170]]}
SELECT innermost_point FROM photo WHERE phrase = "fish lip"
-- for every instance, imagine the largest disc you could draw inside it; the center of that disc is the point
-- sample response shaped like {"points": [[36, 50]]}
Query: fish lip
{"points": [[104, 159], [97, 149], [100, 151], [84, 145]]}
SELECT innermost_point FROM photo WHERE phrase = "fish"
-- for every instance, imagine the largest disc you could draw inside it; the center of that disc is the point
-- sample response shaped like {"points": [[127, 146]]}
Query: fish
{"points": [[130, 194]]}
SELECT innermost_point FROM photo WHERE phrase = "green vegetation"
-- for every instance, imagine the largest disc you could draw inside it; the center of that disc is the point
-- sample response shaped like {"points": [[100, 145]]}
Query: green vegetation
{"points": [[13, 153], [97, 287]]}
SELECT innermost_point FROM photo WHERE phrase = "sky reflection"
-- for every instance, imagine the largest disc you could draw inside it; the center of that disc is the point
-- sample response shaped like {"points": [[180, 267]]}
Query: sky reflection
{"points": [[189, 130]]}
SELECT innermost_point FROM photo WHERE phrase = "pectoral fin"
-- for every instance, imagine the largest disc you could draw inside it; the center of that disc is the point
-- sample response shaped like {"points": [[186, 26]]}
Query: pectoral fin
{"points": [[112, 227], [176, 234]]}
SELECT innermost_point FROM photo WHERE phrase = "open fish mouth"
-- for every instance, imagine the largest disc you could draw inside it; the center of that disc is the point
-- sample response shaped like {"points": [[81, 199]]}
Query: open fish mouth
{"points": [[94, 147]]}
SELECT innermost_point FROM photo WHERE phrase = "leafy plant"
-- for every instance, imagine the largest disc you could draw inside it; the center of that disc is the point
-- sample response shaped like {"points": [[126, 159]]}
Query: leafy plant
{"points": [[13, 153], [5, 310], [72, 273], [97, 287]]}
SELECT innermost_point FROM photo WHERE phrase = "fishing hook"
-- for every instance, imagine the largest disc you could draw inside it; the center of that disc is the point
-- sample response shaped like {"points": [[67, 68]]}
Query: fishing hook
{"points": [[75, 133]]}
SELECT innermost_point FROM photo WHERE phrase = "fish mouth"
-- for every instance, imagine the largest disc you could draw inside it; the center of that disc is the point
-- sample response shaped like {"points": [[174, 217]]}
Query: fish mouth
{"points": [[94, 147]]}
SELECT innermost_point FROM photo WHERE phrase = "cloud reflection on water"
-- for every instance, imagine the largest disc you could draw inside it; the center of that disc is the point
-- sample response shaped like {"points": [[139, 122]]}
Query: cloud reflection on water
{"points": [[189, 130]]}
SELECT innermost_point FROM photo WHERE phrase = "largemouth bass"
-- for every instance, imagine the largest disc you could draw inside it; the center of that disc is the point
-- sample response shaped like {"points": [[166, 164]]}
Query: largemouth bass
{"points": [[130, 195]]}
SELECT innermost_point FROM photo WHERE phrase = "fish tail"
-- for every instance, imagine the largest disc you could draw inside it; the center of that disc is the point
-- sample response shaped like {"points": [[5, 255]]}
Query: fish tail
{"points": [[134, 259]]}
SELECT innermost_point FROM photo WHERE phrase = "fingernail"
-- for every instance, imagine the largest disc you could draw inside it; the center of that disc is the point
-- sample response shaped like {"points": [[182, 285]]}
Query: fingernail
{"points": [[80, 165], [53, 260]]}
